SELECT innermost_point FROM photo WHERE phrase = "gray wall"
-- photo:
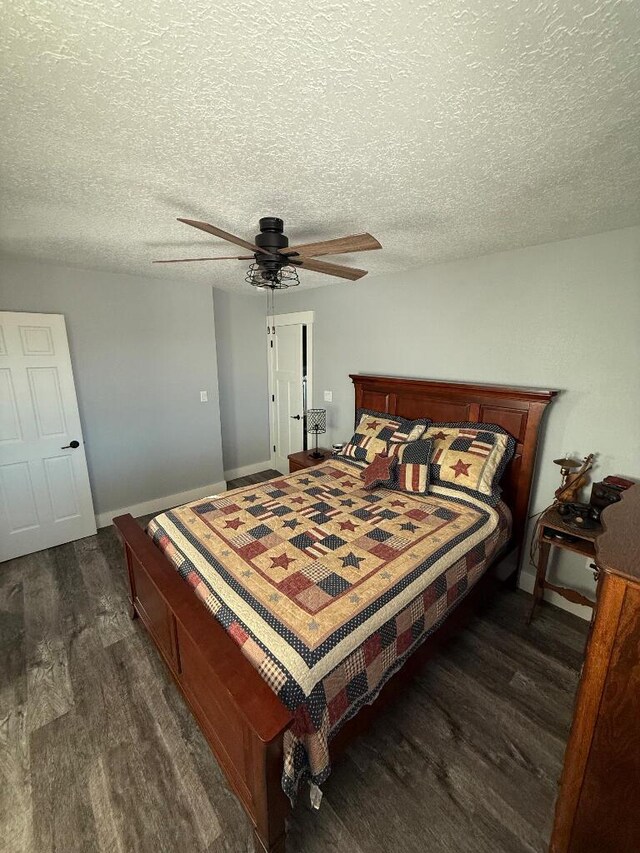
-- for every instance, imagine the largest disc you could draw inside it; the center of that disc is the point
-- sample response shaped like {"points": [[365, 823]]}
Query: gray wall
{"points": [[242, 370], [142, 350], [563, 315]]}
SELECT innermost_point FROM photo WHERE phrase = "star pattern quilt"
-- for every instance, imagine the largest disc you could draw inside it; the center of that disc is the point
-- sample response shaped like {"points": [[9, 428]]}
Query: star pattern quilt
{"points": [[327, 587]]}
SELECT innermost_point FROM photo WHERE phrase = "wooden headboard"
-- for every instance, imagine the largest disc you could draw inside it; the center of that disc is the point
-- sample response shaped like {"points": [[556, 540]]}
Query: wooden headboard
{"points": [[518, 410]]}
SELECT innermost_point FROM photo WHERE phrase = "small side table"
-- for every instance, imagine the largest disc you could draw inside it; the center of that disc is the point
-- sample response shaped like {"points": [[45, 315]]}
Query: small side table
{"points": [[553, 531], [303, 459]]}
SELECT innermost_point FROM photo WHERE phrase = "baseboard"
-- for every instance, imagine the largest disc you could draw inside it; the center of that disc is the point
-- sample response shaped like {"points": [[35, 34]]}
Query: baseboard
{"points": [[527, 581], [247, 470], [104, 519]]}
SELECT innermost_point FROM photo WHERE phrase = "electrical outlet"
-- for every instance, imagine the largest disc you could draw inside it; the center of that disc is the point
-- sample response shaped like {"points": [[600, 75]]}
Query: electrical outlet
{"points": [[204, 397], [328, 396]]}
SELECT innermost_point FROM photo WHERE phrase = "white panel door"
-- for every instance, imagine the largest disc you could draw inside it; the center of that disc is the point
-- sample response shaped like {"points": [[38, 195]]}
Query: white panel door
{"points": [[45, 498], [288, 406]]}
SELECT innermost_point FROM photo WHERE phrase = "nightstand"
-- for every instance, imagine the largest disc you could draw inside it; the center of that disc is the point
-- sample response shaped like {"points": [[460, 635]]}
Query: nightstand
{"points": [[303, 459], [553, 531]]}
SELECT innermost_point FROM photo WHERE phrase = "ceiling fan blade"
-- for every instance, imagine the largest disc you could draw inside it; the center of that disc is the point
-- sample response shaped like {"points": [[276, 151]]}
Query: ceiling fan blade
{"points": [[339, 246], [330, 269], [224, 235], [221, 258]]}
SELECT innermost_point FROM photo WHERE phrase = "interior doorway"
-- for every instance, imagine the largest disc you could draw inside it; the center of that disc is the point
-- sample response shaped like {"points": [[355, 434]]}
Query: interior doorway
{"points": [[290, 361]]}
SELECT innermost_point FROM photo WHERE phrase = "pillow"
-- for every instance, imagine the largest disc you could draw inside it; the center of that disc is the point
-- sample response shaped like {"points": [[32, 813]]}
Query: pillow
{"points": [[470, 457], [380, 471], [406, 422], [374, 430], [411, 474]]}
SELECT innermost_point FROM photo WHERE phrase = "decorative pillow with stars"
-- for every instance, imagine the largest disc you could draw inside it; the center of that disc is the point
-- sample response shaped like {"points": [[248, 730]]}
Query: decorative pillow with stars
{"points": [[374, 430], [412, 471], [380, 472], [470, 457]]}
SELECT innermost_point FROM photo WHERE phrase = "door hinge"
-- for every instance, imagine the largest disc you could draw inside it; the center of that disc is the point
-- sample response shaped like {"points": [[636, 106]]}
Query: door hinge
{"points": [[271, 344], [273, 398], [274, 448]]}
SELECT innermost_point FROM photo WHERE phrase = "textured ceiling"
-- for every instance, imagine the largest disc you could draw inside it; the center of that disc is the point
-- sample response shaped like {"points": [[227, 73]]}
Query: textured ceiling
{"points": [[447, 129]]}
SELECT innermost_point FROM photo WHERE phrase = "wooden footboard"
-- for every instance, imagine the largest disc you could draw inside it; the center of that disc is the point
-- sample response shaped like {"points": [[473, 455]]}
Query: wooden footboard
{"points": [[238, 713]]}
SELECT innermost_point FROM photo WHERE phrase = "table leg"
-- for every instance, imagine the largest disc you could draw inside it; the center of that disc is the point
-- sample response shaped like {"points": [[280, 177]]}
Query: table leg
{"points": [[541, 574]]}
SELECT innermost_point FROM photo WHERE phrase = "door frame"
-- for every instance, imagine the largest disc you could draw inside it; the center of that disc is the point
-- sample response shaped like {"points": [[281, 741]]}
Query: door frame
{"points": [[302, 318]]}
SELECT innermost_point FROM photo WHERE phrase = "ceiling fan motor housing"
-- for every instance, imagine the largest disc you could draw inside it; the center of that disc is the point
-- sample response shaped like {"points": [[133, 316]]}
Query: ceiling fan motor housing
{"points": [[272, 239]]}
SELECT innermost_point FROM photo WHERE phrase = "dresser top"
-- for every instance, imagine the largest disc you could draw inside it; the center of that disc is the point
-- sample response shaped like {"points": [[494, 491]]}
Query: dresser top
{"points": [[618, 547]]}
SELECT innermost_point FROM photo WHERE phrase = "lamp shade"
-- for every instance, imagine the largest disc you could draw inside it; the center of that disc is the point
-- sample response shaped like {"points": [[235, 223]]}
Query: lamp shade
{"points": [[316, 420]]}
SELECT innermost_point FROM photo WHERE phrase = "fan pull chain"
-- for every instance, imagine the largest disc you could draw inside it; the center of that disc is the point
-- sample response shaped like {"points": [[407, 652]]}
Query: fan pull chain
{"points": [[271, 310]]}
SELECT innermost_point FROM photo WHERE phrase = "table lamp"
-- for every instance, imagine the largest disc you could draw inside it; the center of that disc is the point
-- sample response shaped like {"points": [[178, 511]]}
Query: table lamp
{"points": [[316, 424]]}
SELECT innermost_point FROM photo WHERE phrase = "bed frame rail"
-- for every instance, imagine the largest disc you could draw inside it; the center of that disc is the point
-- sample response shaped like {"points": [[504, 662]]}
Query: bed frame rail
{"points": [[240, 716]]}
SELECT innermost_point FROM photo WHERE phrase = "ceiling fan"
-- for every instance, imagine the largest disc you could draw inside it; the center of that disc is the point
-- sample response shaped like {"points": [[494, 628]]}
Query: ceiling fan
{"points": [[275, 262]]}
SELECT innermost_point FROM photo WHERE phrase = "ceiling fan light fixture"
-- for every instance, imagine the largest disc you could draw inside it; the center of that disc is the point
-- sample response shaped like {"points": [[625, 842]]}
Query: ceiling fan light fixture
{"points": [[272, 279], [276, 262]]}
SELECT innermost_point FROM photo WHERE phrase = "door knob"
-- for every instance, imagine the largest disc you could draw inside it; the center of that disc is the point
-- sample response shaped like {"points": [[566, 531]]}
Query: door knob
{"points": [[295, 417], [72, 444]]}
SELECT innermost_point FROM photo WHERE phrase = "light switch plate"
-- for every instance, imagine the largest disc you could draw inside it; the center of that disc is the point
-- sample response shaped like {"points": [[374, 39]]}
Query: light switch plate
{"points": [[204, 397], [328, 396]]}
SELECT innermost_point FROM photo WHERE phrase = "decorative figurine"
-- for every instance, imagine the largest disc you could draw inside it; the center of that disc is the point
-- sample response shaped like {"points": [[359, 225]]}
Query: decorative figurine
{"points": [[572, 481]]}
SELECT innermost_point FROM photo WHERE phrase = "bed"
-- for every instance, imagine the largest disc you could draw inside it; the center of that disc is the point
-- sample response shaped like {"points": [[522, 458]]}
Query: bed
{"points": [[248, 699]]}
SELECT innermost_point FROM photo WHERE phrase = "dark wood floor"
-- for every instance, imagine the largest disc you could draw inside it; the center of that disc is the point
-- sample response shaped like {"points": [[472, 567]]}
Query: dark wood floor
{"points": [[99, 753]]}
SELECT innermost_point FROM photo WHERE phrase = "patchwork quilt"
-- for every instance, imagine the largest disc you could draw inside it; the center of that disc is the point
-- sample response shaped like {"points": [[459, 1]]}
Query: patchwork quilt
{"points": [[328, 587]]}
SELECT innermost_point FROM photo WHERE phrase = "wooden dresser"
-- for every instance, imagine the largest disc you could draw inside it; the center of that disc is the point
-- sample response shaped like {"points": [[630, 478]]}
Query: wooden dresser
{"points": [[598, 807]]}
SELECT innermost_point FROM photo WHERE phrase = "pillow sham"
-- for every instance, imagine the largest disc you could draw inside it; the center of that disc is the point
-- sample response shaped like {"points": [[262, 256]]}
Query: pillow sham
{"points": [[374, 431], [380, 471], [470, 457], [411, 474]]}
